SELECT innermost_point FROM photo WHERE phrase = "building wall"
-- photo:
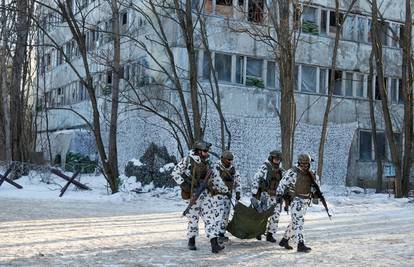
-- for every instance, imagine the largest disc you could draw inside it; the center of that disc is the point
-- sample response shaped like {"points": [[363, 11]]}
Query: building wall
{"points": [[248, 107]]}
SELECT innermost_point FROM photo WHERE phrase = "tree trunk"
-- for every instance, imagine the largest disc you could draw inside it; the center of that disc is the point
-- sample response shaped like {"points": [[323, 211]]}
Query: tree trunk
{"points": [[407, 74], [113, 151], [377, 48], [374, 124]]}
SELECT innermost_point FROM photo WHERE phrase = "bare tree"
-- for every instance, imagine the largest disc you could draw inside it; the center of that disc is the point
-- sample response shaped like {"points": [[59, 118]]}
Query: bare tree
{"points": [[339, 22], [407, 61]]}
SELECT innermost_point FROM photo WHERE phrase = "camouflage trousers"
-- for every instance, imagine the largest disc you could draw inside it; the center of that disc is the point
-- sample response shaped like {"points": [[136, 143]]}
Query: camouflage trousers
{"points": [[226, 214], [212, 214], [274, 219], [193, 216], [298, 209]]}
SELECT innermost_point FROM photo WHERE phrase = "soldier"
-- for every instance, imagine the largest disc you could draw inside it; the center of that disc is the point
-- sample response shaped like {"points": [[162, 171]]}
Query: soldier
{"points": [[264, 186], [188, 173], [297, 182], [225, 180]]}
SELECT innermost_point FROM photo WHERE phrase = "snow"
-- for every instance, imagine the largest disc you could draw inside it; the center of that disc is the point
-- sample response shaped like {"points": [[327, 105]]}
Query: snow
{"points": [[136, 162], [93, 228]]}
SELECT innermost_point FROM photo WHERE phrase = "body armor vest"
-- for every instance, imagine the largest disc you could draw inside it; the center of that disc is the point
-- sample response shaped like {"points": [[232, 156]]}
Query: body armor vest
{"points": [[303, 183], [228, 177], [198, 172], [272, 179]]}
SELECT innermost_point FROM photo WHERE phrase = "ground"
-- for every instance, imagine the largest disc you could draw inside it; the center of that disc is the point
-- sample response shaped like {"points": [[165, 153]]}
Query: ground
{"points": [[90, 229]]}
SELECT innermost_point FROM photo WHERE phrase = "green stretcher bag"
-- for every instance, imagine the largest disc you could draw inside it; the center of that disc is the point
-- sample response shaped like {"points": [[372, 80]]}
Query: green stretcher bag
{"points": [[247, 222]]}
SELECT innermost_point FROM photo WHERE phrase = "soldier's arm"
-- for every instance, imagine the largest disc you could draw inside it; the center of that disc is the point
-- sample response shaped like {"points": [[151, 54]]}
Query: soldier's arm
{"points": [[287, 182], [237, 182], [260, 174], [218, 183], [179, 170]]}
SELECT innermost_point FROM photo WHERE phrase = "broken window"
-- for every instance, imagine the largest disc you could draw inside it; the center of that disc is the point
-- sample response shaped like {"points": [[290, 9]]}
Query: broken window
{"points": [[308, 79], [254, 72], [365, 145], [337, 90], [381, 146], [224, 8], [255, 11], [324, 18], [332, 22], [222, 65], [309, 20], [271, 74], [377, 88]]}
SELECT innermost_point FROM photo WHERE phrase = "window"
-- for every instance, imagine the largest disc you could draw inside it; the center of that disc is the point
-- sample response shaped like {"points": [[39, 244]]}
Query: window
{"points": [[359, 85], [309, 20], [59, 57], [381, 145], [348, 84], [224, 7], [240, 69], [255, 12], [383, 32], [365, 145], [395, 30], [123, 22], [369, 38], [400, 92], [323, 84], [206, 67], [308, 79], [254, 72], [394, 91], [324, 18], [222, 67], [332, 22], [271, 74], [377, 88], [337, 90], [402, 35], [348, 28], [360, 29]]}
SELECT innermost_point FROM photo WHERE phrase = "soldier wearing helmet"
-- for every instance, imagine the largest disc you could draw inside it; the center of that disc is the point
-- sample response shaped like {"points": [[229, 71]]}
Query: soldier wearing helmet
{"points": [[226, 180], [187, 174], [264, 186], [297, 183]]}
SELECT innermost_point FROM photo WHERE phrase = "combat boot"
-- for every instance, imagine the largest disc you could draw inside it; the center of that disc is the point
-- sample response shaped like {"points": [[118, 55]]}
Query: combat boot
{"points": [[303, 248], [285, 243], [191, 243], [269, 238], [215, 247], [222, 238]]}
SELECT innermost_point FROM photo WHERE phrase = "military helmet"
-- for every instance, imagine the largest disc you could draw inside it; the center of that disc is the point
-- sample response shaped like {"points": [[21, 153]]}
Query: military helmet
{"points": [[275, 154], [304, 159], [201, 145], [227, 155]]}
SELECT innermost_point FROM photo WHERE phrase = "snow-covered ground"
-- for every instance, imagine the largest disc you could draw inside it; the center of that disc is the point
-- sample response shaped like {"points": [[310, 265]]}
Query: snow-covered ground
{"points": [[91, 228]]}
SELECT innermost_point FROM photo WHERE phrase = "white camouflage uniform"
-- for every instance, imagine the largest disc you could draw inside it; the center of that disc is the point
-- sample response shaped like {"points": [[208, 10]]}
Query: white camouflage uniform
{"points": [[298, 206], [271, 200], [219, 186], [193, 216]]}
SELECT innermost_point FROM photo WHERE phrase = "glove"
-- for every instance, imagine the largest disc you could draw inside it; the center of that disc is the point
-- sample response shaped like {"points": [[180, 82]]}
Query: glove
{"points": [[237, 196]]}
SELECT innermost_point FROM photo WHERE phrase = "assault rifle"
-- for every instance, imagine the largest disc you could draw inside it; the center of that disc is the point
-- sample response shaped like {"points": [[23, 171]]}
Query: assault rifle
{"points": [[199, 190], [319, 193]]}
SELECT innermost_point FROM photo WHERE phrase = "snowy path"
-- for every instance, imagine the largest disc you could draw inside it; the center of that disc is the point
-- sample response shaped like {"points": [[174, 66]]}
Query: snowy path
{"points": [[79, 233]]}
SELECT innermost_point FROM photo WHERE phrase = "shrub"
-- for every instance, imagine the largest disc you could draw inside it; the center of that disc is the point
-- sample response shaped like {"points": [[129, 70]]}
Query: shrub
{"points": [[156, 167]]}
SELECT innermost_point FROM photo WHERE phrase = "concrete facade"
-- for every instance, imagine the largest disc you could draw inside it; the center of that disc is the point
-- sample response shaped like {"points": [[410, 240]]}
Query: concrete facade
{"points": [[240, 59]]}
